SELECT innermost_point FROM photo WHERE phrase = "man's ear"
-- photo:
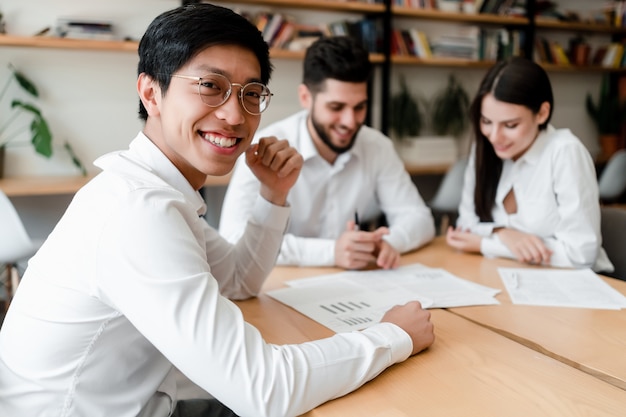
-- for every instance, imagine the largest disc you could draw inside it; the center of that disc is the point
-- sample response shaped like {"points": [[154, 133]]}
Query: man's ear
{"points": [[305, 96], [149, 93]]}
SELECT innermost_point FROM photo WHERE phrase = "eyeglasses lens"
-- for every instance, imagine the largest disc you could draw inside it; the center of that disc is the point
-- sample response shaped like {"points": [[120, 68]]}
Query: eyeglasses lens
{"points": [[215, 89]]}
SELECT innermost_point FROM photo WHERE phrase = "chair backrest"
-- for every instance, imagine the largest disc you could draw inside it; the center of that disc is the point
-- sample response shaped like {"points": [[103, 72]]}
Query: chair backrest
{"points": [[15, 244], [448, 195], [612, 182], [613, 228]]}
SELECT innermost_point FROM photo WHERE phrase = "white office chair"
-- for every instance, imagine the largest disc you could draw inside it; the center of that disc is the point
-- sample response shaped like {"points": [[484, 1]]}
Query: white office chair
{"points": [[612, 181], [445, 203], [15, 245]]}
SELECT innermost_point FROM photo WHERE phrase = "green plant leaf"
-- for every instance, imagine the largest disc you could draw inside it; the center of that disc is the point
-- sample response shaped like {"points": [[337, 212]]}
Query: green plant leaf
{"points": [[26, 106], [25, 83], [449, 109], [75, 159], [405, 114], [41, 136]]}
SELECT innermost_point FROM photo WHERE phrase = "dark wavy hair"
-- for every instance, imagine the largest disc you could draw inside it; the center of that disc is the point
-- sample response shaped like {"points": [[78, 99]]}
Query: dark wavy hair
{"points": [[338, 57], [517, 81], [176, 36]]}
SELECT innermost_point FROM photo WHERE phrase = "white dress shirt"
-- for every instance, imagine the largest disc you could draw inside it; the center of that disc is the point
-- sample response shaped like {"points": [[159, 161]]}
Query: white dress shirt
{"points": [[133, 281], [556, 191], [368, 179]]}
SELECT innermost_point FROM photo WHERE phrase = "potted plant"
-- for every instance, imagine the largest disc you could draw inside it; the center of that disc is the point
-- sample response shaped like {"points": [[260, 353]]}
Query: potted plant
{"points": [[448, 120], [449, 110], [40, 134], [406, 117], [608, 114]]}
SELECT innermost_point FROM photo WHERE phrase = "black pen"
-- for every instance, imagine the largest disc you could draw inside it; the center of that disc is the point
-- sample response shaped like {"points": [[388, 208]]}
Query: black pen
{"points": [[356, 220]]}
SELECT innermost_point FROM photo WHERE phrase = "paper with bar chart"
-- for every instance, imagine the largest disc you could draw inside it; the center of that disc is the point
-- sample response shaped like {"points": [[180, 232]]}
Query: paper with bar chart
{"points": [[354, 300]]}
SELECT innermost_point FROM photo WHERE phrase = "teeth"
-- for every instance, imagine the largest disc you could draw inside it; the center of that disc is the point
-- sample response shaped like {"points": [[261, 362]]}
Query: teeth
{"points": [[221, 141]]}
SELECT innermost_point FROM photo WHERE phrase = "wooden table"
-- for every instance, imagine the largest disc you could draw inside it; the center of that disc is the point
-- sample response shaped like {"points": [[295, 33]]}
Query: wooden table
{"points": [[593, 341], [471, 369]]}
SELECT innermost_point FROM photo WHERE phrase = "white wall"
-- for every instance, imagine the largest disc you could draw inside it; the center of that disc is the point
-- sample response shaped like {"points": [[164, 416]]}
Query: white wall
{"points": [[89, 97]]}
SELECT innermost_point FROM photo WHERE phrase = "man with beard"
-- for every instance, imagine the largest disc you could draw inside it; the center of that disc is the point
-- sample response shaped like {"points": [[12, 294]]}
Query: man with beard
{"points": [[350, 172]]}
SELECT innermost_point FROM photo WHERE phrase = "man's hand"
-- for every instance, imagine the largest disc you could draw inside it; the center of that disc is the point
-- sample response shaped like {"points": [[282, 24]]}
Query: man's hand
{"points": [[414, 320], [387, 256], [276, 165], [355, 249], [463, 240], [527, 248]]}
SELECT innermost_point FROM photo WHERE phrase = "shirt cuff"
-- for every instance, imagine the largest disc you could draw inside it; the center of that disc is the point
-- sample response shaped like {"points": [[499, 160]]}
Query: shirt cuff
{"points": [[270, 215], [483, 229], [493, 247], [398, 341]]}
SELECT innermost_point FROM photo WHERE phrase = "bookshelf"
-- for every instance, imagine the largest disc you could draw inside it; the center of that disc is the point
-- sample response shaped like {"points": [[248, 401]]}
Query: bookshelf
{"points": [[388, 13]]}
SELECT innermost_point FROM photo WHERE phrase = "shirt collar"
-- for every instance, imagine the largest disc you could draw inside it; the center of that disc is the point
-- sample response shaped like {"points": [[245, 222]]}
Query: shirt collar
{"points": [[142, 151], [533, 154]]}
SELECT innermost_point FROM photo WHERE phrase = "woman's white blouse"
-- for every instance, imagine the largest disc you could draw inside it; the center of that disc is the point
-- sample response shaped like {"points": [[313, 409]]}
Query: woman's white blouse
{"points": [[556, 191]]}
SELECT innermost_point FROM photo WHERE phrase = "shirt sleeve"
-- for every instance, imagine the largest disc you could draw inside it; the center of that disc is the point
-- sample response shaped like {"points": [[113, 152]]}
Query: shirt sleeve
{"points": [[303, 251], [243, 189], [156, 274], [411, 223], [242, 268], [577, 237]]}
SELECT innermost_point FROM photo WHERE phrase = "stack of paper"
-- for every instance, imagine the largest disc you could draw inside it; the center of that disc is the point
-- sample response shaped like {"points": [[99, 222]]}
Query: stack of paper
{"points": [[354, 300], [560, 288]]}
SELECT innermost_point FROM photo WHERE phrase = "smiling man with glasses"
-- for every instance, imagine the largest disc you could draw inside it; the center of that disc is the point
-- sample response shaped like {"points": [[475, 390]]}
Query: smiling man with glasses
{"points": [[134, 283]]}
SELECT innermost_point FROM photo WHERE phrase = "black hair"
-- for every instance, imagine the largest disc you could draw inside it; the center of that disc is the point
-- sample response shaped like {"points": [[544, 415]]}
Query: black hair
{"points": [[517, 81], [176, 36], [338, 57]]}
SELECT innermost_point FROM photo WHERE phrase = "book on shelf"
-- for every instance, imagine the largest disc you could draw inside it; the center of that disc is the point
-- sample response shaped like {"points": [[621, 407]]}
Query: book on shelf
{"points": [[398, 46], [281, 31], [79, 28], [462, 43], [422, 46], [503, 7], [416, 4], [613, 56]]}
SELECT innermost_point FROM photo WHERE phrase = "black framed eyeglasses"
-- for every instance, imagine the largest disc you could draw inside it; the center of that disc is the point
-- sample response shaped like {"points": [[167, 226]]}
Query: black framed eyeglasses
{"points": [[214, 89]]}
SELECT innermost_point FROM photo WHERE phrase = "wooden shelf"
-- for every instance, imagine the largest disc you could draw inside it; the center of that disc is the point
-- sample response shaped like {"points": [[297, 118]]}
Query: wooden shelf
{"points": [[123, 46], [578, 27], [483, 18], [467, 63], [275, 53], [34, 186], [435, 169], [330, 5], [440, 62], [41, 186], [66, 43], [580, 68]]}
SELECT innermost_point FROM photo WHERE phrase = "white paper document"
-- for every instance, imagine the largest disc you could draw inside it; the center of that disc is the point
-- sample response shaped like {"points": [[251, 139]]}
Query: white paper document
{"points": [[581, 288], [354, 300]]}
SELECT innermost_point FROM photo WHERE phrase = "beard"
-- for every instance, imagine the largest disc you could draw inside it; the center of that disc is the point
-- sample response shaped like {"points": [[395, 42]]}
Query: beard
{"points": [[324, 135]]}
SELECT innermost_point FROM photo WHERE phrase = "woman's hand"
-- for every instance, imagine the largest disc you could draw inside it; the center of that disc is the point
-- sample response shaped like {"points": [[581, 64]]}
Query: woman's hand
{"points": [[525, 247], [463, 239]]}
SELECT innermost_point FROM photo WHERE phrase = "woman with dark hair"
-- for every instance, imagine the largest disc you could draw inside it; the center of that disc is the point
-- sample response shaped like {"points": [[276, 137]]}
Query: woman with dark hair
{"points": [[530, 190]]}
